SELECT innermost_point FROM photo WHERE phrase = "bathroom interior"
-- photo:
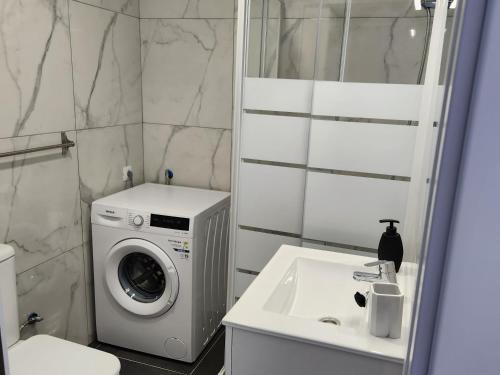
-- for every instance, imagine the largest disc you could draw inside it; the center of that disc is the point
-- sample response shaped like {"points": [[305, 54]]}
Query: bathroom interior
{"points": [[239, 187]]}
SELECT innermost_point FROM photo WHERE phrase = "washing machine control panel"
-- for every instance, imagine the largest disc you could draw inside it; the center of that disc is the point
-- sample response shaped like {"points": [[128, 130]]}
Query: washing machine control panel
{"points": [[154, 223], [138, 219], [143, 221]]}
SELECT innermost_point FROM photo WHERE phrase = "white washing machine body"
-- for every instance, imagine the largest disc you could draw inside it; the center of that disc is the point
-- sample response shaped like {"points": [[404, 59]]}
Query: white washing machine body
{"points": [[160, 258]]}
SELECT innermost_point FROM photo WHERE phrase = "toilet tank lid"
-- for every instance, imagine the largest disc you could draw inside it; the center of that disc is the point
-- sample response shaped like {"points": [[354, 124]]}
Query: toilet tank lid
{"points": [[6, 252], [47, 355]]}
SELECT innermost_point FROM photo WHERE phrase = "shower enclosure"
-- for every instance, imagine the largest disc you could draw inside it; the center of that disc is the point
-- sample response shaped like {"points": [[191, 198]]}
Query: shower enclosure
{"points": [[337, 104]]}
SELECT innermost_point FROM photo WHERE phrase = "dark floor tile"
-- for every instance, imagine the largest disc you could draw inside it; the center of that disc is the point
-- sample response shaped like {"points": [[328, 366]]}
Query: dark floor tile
{"points": [[94, 344], [152, 360], [160, 362], [213, 361], [135, 368]]}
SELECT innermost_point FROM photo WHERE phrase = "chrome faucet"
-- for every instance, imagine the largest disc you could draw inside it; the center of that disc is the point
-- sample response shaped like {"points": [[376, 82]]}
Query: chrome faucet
{"points": [[386, 272]]}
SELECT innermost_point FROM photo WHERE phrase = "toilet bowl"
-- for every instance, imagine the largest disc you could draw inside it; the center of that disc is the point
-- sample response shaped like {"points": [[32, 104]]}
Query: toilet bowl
{"points": [[43, 354]]}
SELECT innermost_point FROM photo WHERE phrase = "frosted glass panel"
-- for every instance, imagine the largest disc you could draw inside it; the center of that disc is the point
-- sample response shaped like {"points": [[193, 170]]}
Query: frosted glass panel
{"points": [[281, 95], [367, 100], [242, 282], [271, 197], [346, 209], [275, 138], [318, 246], [362, 147], [255, 249]]}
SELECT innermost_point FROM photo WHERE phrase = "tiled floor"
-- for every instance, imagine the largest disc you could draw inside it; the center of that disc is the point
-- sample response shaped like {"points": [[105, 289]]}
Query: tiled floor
{"points": [[210, 362]]}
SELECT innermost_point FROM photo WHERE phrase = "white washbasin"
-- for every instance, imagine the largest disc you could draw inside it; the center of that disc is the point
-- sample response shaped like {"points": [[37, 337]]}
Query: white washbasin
{"points": [[299, 286], [314, 289]]}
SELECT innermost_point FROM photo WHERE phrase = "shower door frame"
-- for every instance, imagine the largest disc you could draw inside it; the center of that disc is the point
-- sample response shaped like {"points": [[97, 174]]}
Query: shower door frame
{"points": [[464, 56]]}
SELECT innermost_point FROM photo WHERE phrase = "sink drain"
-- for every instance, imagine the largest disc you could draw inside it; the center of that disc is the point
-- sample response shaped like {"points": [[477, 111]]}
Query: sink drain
{"points": [[330, 320]]}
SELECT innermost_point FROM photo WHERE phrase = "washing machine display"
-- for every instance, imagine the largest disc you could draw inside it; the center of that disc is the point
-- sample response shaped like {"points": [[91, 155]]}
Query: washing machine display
{"points": [[169, 222], [141, 277]]}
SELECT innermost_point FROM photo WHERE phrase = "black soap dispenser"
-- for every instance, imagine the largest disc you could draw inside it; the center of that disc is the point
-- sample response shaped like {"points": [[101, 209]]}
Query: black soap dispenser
{"points": [[390, 246]]}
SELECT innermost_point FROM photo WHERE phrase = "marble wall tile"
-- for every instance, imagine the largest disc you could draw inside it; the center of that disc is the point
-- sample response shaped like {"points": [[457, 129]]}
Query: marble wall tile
{"points": [[256, 52], [290, 48], [130, 7], [333, 9], [187, 72], [39, 200], [298, 8], [102, 154], [380, 49], [35, 68], [385, 8], [384, 50], [297, 50], [187, 8], [89, 292], [56, 290], [389, 8], [107, 67], [199, 157], [329, 53], [336, 8]]}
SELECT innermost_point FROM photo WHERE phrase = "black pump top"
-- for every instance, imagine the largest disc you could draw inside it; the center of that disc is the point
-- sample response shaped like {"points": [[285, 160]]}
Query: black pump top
{"points": [[391, 229]]}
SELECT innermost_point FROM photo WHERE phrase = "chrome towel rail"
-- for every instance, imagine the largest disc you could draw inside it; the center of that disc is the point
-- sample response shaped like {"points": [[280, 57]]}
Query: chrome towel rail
{"points": [[64, 145]]}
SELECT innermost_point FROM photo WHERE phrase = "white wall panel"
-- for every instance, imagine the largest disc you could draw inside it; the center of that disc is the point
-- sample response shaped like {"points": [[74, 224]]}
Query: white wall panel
{"points": [[282, 95], [242, 282], [367, 100], [271, 197], [362, 147], [255, 249], [346, 209], [275, 138]]}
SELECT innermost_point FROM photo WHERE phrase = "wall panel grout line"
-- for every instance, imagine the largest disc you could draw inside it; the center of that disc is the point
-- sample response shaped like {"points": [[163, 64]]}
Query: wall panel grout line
{"points": [[105, 9]]}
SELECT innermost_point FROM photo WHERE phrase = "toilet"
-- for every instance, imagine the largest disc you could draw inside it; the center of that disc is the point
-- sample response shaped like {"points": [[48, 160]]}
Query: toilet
{"points": [[43, 354]]}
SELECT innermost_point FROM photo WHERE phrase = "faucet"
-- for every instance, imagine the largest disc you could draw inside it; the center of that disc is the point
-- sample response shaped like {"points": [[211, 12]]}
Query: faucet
{"points": [[386, 272]]}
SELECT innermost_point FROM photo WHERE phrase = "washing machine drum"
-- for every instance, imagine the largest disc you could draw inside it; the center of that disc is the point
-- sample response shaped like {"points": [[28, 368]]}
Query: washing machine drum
{"points": [[141, 277]]}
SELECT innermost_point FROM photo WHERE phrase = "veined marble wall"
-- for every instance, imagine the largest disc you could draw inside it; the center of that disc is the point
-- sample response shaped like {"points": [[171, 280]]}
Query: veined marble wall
{"points": [[187, 77], [69, 66], [385, 40], [288, 39]]}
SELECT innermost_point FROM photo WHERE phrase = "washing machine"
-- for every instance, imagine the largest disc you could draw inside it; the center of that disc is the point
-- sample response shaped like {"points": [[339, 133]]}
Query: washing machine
{"points": [[160, 256]]}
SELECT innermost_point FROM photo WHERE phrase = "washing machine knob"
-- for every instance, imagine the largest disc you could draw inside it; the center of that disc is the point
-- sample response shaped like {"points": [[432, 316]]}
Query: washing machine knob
{"points": [[138, 220]]}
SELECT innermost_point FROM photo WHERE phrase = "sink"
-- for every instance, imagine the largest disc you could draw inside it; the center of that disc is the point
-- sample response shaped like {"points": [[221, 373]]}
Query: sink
{"points": [[306, 297], [318, 290]]}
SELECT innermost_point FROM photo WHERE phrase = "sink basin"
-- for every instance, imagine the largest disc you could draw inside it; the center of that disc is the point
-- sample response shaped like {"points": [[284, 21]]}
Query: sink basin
{"points": [[307, 296], [318, 291]]}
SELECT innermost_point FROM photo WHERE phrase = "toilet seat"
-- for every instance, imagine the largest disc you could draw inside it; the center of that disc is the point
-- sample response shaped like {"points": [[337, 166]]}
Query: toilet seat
{"points": [[47, 355]]}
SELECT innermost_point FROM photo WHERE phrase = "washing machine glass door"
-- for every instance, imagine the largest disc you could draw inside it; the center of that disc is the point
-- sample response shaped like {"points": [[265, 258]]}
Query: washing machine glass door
{"points": [[141, 277]]}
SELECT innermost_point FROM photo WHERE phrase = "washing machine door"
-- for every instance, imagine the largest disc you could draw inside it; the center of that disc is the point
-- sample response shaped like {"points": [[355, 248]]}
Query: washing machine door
{"points": [[141, 277]]}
